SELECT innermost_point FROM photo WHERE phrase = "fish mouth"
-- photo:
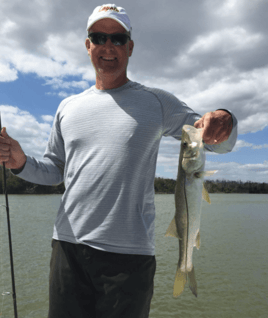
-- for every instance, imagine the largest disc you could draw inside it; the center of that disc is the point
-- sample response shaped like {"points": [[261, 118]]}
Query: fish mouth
{"points": [[190, 157]]}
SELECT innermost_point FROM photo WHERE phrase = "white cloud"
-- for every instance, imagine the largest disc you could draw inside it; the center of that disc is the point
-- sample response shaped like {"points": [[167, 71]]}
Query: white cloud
{"points": [[69, 88], [235, 171], [168, 160], [218, 60], [234, 9], [222, 63], [41, 65], [25, 128], [57, 83], [47, 118], [225, 170], [254, 123], [7, 74], [260, 146], [224, 41], [70, 48], [63, 94], [7, 25], [243, 144]]}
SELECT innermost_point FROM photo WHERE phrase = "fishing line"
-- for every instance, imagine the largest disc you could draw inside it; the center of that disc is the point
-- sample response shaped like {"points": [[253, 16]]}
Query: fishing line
{"points": [[2, 261], [9, 237], [2, 281]]}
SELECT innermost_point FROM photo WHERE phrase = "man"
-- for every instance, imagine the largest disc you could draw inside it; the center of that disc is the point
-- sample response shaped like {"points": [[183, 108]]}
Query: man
{"points": [[103, 145]]}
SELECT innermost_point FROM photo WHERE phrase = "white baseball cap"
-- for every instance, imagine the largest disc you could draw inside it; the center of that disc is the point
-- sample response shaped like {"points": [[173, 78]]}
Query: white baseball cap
{"points": [[110, 11]]}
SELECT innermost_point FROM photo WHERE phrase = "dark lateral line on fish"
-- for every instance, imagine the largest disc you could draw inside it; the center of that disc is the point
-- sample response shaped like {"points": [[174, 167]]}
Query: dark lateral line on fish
{"points": [[187, 227]]}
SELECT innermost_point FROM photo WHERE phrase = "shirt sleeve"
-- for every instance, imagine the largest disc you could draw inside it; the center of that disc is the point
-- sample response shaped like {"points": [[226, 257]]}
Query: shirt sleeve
{"points": [[49, 170], [176, 114]]}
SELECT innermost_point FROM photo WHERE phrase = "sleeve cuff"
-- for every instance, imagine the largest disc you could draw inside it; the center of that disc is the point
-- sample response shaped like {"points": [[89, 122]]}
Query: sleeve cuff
{"points": [[17, 171]]}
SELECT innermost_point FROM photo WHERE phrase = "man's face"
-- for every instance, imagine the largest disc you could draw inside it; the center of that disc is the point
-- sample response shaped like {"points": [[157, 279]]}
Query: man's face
{"points": [[115, 67]]}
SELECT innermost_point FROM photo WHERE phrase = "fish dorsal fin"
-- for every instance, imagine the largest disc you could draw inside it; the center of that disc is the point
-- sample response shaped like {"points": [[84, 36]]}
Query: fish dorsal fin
{"points": [[172, 229], [198, 240], [205, 194]]}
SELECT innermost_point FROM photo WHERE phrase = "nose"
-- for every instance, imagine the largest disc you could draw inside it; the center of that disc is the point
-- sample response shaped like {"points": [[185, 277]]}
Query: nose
{"points": [[109, 44]]}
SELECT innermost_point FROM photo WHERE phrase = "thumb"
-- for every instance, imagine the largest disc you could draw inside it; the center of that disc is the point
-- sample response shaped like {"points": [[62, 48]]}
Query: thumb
{"points": [[199, 123], [4, 133]]}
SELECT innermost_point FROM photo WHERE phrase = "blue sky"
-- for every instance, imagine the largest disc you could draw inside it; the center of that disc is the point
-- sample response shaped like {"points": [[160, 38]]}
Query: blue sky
{"points": [[209, 54]]}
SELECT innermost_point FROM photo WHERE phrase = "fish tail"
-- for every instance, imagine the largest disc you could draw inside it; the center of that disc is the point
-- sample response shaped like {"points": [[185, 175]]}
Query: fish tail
{"points": [[180, 281], [192, 282]]}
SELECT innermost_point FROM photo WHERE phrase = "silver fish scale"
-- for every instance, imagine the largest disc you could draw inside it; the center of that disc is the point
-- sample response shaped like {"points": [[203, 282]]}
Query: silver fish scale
{"points": [[188, 200]]}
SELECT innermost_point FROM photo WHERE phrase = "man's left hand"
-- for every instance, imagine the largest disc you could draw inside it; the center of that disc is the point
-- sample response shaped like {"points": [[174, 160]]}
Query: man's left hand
{"points": [[217, 127]]}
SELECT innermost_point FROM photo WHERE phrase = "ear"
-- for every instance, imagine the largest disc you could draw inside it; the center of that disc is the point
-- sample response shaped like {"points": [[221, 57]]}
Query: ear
{"points": [[130, 47], [87, 43]]}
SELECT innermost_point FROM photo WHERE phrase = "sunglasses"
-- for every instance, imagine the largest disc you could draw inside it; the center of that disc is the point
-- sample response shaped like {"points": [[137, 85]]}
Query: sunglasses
{"points": [[101, 38]]}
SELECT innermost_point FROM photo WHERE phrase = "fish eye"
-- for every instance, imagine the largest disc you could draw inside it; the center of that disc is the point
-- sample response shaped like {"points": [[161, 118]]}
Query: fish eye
{"points": [[185, 144], [197, 175]]}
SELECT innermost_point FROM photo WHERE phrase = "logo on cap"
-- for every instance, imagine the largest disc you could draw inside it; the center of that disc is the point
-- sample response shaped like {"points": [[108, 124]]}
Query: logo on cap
{"points": [[108, 8]]}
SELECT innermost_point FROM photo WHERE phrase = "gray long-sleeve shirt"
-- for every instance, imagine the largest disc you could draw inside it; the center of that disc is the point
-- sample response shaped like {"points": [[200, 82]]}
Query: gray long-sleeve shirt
{"points": [[104, 146]]}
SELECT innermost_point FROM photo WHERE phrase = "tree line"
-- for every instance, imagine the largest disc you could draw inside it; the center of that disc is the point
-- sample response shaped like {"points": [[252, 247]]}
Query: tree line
{"points": [[167, 186], [16, 185]]}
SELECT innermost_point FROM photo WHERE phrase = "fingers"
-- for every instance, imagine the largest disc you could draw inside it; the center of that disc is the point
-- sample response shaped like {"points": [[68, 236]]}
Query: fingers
{"points": [[4, 158], [221, 136], [4, 152], [4, 137], [208, 130], [216, 127], [4, 146], [222, 120], [200, 124]]}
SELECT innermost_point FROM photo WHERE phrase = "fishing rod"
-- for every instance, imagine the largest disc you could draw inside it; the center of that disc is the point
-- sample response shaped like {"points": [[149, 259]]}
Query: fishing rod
{"points": [[9, 237]]}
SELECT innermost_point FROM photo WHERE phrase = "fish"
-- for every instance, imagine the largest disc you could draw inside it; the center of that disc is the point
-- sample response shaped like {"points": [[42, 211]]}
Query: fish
{"points": [[189, 192]]}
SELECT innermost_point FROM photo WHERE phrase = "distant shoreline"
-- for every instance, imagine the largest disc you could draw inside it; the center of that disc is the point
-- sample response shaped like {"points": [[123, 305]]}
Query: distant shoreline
{"points": [[167, 186], [16, 185]]}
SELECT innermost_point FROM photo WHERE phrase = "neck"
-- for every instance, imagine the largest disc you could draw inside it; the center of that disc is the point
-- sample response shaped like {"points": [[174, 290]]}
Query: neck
{"points": [[104, 84]]}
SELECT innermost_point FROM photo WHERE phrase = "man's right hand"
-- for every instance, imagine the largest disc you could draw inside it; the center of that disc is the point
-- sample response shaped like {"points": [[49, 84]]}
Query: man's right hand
{"points": [[11, 152]]}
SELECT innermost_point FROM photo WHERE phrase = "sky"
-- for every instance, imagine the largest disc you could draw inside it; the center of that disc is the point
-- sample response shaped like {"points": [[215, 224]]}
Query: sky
{"points": [[210, 54]]}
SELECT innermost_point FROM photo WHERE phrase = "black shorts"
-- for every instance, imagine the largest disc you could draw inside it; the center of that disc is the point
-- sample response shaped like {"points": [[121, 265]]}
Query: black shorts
{"points": [[88, 283]]}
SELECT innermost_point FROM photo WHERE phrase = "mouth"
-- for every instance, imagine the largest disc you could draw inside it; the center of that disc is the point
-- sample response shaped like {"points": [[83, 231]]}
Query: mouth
{"points": [[108, 59]]}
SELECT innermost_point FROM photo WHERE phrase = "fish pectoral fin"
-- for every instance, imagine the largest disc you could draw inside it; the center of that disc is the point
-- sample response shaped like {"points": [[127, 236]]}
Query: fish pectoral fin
{"points": [[205, 194], [198, 240], [192, 282], [172, 229], [180, 281], [209, 173]]}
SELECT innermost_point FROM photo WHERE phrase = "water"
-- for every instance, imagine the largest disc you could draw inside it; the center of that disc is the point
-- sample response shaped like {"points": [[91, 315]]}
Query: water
{"points": [[231, 265]]}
